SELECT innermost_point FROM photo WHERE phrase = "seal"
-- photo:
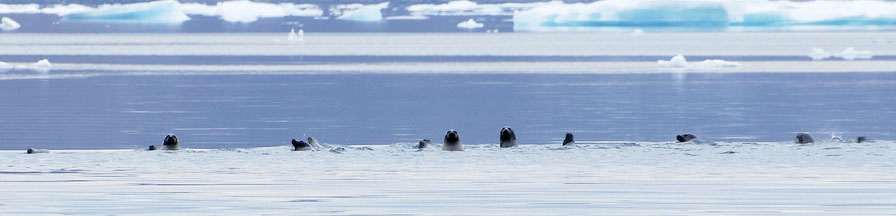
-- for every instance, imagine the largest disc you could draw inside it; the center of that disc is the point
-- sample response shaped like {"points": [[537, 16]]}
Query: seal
{"points": [[861, 139], [685, 137], [508, 138], [425, 143], [170, 143], [36, 151], [568, 141], [301, 145], [803, 138], [452, 141], [313, 143], [151, 148]]}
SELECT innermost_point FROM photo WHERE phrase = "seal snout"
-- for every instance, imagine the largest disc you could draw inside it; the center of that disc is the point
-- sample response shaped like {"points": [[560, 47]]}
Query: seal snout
{"points": [[300, 145], [170, 142], [425, 143], [508, 138]]}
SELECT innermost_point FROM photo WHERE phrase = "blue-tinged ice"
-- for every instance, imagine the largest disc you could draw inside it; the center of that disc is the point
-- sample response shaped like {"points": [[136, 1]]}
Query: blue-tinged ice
{"points": [[367, 13], [166, 11]]}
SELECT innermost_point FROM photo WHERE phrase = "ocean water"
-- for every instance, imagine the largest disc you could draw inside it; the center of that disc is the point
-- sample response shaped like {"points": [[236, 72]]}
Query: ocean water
{"points": [[236, 100]]}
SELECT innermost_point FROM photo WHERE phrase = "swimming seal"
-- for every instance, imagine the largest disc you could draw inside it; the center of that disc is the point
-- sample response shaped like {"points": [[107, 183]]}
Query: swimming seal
{"points": [[452, 141], [170, 142], [803, 138], [685, 137], [425, 143], [36, 151], [508, 138], [301, 145], [314, 144], [860, 139], [151, 148], [568, 140]]}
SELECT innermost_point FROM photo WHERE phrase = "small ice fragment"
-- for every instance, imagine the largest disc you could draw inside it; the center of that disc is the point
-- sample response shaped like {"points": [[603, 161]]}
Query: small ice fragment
{"points": [[42, 66], [677, 61], [818, 54], [296, 37], [7, 24], [470, 24], [713, 63], [851, 54], [4, 67], [637, 32]]}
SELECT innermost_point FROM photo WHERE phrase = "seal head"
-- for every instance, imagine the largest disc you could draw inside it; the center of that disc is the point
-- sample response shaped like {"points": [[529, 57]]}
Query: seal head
{"points": [[425, 143], [170, 142], [452, 141], [568, 140], [508, 138], [804, 138], [685, 137], [301, 145]]}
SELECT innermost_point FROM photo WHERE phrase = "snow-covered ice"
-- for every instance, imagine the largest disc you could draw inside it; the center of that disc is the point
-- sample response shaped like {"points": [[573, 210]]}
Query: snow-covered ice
{"points": [[852, 54], [42, 66], [366, 13], [470, 24], [296, 37], [7, 24], [819, 54]]}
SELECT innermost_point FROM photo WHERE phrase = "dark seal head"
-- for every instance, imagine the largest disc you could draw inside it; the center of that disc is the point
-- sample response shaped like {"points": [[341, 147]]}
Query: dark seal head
{"points": [[568, 140], [425, 143], [803, 138], [36, 151], [151, 148], [508, 138], [301, 145], [170, 142], [861, 139], [452, 141], [685, 137]]}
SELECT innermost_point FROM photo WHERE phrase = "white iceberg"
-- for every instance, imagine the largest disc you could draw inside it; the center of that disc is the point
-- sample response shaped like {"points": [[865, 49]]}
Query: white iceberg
{"points": [[247, 11], [42, 66], [166, 11], [852, 54], [7, 24], [679, 62], [4, 67], [367, 13], [470, 24]]}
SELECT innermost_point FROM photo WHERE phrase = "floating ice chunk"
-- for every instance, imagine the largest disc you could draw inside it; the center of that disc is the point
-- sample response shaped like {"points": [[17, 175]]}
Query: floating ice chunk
{"points": [[637, 32], [247, 11], [679, 62], [819, 54], [165, 11], [852, 54], [4, 67], [294, 37], [367, 13], [7, 24], [470, 24], [42, 66]]}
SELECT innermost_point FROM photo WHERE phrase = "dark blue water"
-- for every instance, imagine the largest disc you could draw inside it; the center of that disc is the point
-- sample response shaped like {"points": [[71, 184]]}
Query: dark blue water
{"points": [[226, 111]]}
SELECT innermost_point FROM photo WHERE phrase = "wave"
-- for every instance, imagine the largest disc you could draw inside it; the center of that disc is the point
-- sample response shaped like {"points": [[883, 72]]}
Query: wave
{"points": [[704, 14]]}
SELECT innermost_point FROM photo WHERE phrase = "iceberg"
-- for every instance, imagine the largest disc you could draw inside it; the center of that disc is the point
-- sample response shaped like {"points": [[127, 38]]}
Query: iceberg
{"points": [[679, 62], [247, 11], [704, 14], [367, 13], [166, 11], [470, 24], [819, 54], [7, 24]]}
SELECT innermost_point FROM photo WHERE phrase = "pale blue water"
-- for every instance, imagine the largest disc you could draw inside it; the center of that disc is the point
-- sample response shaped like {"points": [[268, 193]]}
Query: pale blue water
{"points": [[227, 111]]}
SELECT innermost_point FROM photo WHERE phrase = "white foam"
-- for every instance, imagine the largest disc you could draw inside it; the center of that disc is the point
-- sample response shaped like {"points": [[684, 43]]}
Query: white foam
{"points": [[679, 62], [366, 13], [7, 24], [470, 24], [852, 54]]}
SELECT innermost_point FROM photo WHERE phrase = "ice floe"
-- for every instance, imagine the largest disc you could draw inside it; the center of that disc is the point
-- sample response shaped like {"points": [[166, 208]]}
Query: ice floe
{"points": [[849, 53], [470, 24], [4, 67], [7, 24], [248, 11], [679, 62], [42, 66]]}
